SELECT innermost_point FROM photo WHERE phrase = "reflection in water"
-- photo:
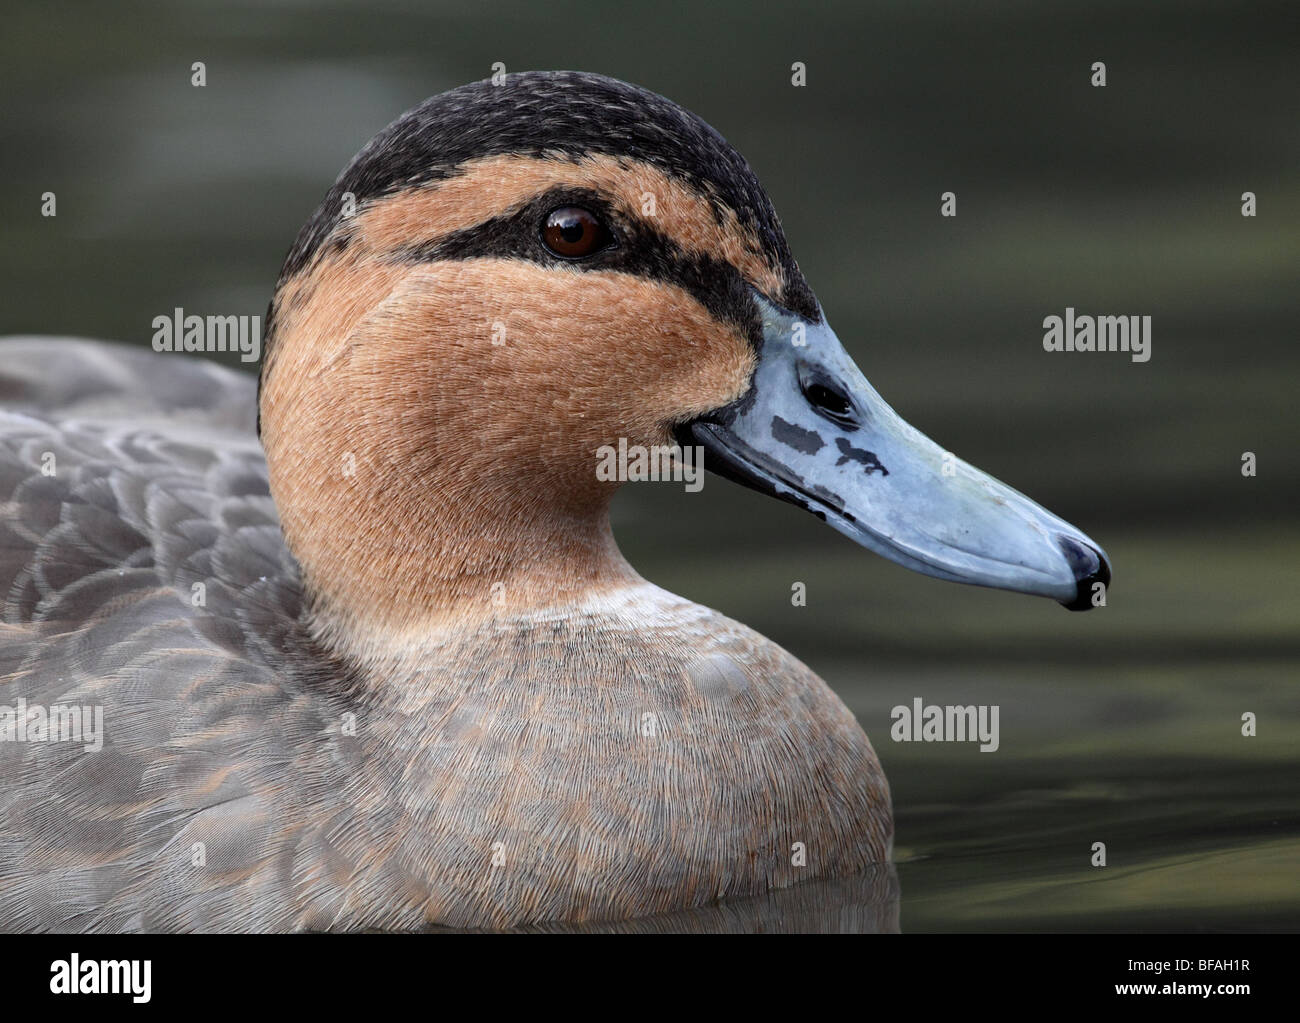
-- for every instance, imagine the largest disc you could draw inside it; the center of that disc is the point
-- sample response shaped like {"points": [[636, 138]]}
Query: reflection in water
{"points": [[866, 903]]}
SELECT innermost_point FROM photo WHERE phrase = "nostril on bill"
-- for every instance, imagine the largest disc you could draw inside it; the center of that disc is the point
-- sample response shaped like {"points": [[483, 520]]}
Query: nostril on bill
{"points": [[1089, 566]]}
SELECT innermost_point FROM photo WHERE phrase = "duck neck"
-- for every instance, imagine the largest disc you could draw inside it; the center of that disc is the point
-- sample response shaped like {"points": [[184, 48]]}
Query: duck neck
{"points": [[387, 567], [399, 542]]}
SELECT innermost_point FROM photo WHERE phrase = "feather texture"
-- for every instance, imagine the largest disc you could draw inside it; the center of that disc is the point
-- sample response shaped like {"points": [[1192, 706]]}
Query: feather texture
{"points": [[635, 756]]}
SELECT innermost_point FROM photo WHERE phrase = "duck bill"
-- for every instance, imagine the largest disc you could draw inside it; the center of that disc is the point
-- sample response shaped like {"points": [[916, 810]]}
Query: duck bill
{"points": [[811, 430]]}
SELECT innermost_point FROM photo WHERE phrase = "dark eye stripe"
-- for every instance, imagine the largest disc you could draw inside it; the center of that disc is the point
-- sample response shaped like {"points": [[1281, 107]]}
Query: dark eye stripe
{"points": [[638, 249]]}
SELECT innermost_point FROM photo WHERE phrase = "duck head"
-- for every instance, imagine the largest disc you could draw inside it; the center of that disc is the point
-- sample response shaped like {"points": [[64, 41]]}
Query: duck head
{"points": [[509, 278]]}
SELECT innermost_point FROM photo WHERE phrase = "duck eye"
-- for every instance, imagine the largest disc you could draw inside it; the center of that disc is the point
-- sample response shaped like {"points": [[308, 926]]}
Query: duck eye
{"points": [[573, 232]]}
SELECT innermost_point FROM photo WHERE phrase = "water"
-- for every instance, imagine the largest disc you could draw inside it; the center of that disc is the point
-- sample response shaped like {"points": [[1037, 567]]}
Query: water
{"points": [[1121, 726]]}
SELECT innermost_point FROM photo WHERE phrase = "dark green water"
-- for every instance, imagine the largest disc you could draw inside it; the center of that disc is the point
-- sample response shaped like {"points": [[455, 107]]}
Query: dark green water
{"points": [[1122, 726]]}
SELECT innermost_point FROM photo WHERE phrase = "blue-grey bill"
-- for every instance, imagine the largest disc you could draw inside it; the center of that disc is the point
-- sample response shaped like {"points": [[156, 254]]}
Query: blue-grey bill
{"points": [[813, 431]]}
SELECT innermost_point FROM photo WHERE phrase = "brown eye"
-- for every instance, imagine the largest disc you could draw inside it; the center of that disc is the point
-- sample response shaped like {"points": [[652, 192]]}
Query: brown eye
{"points": [[573, 232]]}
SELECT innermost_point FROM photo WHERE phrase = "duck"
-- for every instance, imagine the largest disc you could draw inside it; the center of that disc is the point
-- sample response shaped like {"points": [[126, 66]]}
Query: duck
{"points": [[367, 653]]}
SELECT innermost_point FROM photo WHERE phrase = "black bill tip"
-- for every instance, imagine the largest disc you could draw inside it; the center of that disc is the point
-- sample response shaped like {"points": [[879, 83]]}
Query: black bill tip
{"points": [[1090, 567]]}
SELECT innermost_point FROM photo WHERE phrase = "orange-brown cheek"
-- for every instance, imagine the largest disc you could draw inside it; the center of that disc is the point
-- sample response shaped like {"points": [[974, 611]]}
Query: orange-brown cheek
{"points": [[556, 359]]}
